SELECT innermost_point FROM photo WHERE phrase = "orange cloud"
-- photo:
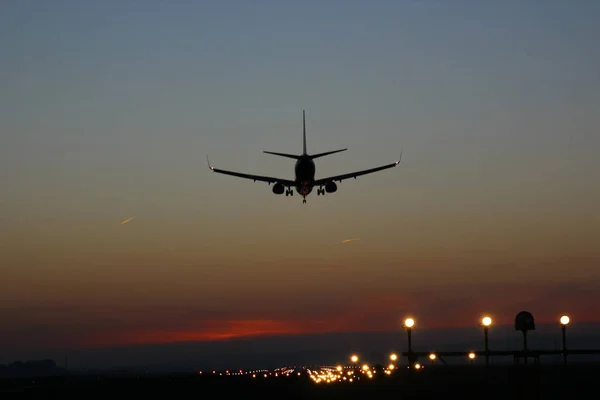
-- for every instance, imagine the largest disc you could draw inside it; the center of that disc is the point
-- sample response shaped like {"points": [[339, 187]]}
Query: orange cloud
{"points": [[460, 306]]}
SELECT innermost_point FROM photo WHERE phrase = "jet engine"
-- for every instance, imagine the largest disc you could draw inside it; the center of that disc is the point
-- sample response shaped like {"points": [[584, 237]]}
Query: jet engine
{"points": [[330, 187], [278, 188]]}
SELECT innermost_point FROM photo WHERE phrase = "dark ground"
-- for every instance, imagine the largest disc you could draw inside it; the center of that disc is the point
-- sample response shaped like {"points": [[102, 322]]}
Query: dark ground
{"points": [[495, 382]]}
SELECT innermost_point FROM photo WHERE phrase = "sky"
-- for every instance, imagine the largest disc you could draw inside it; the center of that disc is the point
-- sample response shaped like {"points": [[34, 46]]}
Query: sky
{"points": [[108, 110]]}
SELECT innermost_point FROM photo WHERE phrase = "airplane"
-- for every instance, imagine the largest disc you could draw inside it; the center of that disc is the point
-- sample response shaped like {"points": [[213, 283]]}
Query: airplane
{"points": [[304, 169]]}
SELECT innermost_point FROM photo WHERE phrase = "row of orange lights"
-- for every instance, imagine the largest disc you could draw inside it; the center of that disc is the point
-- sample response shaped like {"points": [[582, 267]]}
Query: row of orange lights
{"points": [[486, 321]]}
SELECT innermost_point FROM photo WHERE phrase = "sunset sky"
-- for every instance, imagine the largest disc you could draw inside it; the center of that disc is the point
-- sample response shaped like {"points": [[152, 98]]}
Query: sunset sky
{"points": [[108, 110]]}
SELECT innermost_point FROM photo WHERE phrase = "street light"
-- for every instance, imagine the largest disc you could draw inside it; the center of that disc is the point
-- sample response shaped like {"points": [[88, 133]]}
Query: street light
{"points": [[354, 360], [564, 321], [432, 357], [408, 324], [486, 322], [471, 357], [393, 357]]}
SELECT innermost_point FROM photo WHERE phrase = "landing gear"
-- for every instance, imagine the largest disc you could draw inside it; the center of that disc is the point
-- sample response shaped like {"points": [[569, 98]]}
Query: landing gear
{"points": [[320, 192], [303, 201], [289, 192]]}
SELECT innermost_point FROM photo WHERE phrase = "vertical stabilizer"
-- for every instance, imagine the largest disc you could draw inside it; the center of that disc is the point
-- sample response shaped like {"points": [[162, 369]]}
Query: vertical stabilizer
{"points": [[304, 132]]}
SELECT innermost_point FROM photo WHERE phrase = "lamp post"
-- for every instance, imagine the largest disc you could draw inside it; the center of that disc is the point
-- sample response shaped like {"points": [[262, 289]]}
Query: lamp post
{"points": [[486, 322], [564, 321], [408, 324], [354, 360], [471, 357], [432, 357]]}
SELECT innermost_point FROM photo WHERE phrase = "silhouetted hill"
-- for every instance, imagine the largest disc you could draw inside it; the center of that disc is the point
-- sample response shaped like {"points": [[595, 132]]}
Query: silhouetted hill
{"points": [[32, 368]]}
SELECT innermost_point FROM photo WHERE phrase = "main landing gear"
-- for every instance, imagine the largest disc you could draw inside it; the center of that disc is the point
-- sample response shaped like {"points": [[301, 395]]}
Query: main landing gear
{"points": [[289, 192], [320, 192]]}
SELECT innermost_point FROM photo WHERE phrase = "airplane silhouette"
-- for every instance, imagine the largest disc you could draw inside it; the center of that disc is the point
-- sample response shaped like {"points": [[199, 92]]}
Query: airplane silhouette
{"points": [[305, 172]]}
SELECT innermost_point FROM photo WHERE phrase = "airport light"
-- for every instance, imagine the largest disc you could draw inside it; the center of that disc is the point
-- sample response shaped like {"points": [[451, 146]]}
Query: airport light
{"points": [[354, 360], [486, 322], [432, 357], [564, 321], [409, 323], [471, 357], [393, 357], [339, 368]]}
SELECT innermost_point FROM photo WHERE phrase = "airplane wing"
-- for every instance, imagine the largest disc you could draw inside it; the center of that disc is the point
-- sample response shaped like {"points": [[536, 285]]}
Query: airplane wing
{"points": [[340, 178], [268, 179]]}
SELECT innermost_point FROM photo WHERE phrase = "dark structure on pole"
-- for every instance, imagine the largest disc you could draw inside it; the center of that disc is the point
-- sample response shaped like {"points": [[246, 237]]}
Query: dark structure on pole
{"points": [[524, 322]]}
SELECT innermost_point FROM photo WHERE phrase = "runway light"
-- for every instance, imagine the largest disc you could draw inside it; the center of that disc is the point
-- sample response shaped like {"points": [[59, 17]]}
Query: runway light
{"points": [[486, 321], [564, 320], [432, 356], [393, 357], [409, 322]]}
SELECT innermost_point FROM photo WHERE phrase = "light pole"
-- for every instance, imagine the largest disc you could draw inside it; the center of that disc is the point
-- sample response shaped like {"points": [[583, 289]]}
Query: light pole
{"points": [[471, 357], [354, 360], [408, 324], [564, 321], [486, 322]]}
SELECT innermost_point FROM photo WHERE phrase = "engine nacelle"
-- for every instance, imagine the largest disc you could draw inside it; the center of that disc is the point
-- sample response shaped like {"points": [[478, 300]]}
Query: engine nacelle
{"points": [[331, 187], [278, 188]]}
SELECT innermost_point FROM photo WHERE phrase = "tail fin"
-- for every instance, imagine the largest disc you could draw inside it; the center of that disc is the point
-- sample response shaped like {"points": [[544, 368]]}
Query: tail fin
{"points": [[304, 132]]}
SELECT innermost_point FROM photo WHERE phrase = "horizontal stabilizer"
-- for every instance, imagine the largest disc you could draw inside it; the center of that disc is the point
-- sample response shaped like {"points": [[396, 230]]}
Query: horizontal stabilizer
{"points": [[283, 154], [326, 153]]}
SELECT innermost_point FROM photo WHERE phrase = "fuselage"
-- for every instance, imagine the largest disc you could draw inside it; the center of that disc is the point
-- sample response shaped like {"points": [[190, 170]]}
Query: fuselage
{"points": [[305, 175]]}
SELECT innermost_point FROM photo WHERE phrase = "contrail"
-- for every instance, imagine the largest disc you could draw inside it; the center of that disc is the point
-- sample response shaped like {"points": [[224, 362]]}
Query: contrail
{"points": [[127, 220], [350, 240]]}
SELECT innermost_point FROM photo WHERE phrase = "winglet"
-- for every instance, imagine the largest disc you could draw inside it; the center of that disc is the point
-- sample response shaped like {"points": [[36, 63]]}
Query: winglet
{"points": [[399, 159], [208, 162]]}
